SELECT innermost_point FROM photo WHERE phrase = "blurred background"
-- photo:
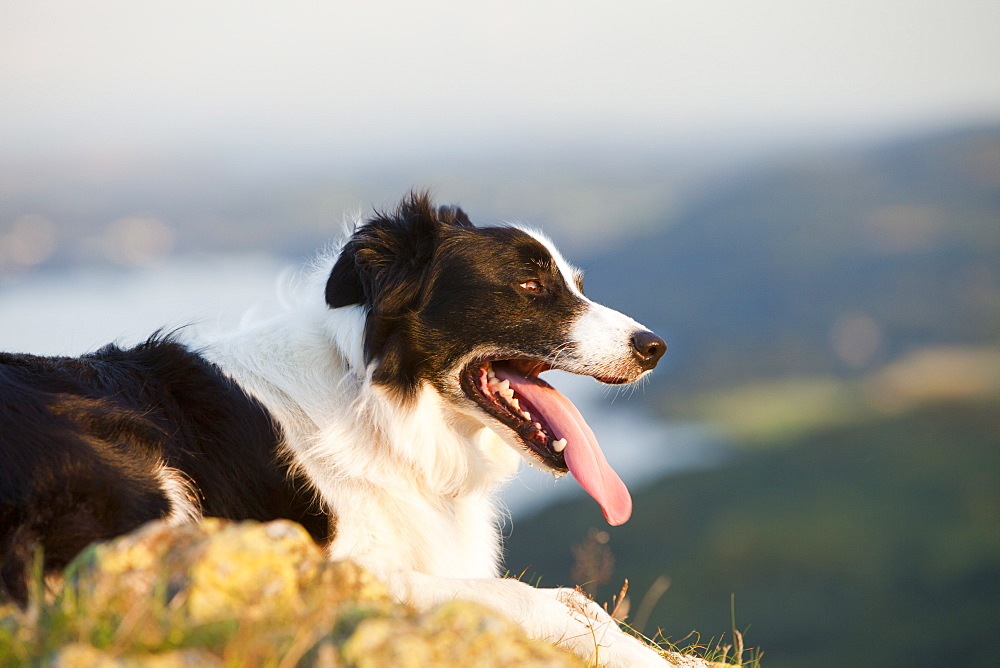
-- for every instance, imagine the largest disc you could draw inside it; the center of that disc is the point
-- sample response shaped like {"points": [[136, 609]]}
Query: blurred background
{"points": [[802, 198]]}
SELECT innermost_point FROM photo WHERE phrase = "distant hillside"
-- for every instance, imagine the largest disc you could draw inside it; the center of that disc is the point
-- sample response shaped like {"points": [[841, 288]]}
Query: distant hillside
{"points": [[900, 242], [876, 544]]}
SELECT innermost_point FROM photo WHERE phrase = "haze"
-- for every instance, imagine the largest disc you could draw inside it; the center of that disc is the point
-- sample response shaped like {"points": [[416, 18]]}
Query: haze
{"points": [[397, 77]]}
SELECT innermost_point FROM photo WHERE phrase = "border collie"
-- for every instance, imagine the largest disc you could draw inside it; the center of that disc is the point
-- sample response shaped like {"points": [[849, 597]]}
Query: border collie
{"points": [[382, 410]]}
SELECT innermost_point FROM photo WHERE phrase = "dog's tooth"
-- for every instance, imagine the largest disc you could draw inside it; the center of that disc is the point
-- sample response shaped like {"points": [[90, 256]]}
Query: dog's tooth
{"points": [[559, 445], [504, 385], [537, 425], [526, 415], [506, 393], [490, 373], [515, 403]]}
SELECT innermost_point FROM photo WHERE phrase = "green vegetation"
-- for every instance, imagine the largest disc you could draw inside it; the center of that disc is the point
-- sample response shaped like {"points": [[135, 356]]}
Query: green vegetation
{"points": [[772, 413], [873, 543]]}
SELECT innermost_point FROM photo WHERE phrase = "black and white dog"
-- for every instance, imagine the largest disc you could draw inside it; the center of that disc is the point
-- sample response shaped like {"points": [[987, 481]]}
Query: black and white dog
{"points": [[382, 410]]}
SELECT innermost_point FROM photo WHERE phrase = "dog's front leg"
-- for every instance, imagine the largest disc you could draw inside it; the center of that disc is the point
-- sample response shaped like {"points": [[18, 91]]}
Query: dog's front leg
{"points": [[561, 616]]}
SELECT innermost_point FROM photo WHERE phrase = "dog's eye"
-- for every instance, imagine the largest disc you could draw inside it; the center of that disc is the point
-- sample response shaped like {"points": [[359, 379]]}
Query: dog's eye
{"points": [[533, 286]]}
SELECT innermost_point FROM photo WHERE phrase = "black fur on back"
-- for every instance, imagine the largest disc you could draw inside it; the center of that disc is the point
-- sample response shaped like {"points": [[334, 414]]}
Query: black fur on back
{"points": [[81, 440]]}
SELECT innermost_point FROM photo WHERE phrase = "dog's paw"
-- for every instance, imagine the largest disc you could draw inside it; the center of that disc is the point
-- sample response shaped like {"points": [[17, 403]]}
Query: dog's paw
{"points": [[596, 636]]}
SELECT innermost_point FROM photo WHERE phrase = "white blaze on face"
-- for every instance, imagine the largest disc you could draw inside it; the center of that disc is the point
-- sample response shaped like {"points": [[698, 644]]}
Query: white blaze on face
{"points": [[570, 273], [602, 336]]}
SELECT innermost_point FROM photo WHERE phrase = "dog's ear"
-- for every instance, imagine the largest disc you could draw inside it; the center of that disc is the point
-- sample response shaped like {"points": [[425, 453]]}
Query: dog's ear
{"points": [[384, 264], [343, 287], [386, 267]]}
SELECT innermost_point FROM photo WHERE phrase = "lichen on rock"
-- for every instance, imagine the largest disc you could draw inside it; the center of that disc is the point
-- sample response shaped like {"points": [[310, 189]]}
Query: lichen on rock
{"points": [[456, 633], [246, 593]]}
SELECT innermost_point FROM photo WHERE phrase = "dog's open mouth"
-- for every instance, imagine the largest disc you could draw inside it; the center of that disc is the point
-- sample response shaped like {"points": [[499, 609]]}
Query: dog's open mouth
{"points": [[549, 426]]}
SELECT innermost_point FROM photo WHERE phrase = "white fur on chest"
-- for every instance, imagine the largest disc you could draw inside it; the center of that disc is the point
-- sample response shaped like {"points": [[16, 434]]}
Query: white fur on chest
{"points": [[411, 487], [398, 529]]}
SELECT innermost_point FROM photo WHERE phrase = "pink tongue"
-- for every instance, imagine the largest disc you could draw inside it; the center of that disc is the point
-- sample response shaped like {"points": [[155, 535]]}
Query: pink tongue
{"points": [[583, 455]]}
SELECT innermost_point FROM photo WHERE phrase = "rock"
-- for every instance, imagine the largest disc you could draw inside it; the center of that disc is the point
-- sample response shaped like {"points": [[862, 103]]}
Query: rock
{"points": [[247, 594], [79, 655], [458, 633], [218, 570]]}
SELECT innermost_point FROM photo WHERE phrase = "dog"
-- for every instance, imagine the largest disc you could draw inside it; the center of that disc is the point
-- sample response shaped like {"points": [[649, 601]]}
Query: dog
{"points": [[382, 410]]}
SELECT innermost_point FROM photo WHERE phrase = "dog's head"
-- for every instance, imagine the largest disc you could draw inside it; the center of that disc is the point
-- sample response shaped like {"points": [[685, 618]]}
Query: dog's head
{"points": [[479, 312]]}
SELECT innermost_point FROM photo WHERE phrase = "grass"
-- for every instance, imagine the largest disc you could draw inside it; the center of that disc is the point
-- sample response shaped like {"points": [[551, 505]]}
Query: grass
{"points": [[730, 652], [714, 650], [593, 566]]}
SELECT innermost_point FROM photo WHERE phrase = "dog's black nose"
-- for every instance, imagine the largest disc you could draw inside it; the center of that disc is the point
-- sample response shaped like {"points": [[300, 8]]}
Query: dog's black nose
{"points": [[647, 348]]}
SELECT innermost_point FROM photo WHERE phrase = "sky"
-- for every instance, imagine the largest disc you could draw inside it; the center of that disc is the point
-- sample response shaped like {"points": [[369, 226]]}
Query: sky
{"points": [[78, 76]]}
